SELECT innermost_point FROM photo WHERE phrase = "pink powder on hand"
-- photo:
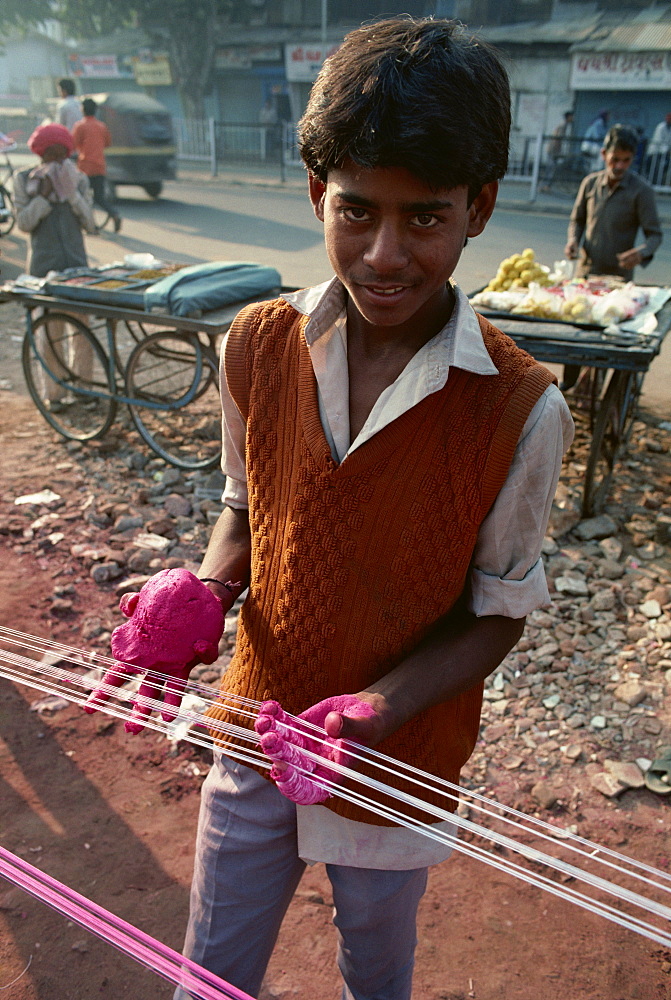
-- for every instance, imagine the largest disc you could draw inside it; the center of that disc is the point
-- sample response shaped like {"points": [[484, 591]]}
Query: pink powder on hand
{"points": [[174, 622], [283, 739]]}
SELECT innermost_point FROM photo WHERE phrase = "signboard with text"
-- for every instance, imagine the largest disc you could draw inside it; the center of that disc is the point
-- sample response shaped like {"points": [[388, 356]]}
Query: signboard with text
{"points": [[153, 72], [106, 67], [244, 56], [303, 62], [621, 71]]}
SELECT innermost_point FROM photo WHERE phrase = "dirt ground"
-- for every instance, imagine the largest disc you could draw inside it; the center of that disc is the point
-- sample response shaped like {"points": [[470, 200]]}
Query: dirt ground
{"points": [[114, 817]]}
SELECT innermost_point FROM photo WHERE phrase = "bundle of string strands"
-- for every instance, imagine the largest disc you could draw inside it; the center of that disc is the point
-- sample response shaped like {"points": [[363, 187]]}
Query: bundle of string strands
{"points": [[592, 866], [201, 984]]}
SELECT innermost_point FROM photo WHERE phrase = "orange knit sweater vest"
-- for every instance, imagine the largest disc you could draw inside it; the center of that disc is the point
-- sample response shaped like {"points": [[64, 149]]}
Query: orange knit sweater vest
{"points": [[353, 563]]}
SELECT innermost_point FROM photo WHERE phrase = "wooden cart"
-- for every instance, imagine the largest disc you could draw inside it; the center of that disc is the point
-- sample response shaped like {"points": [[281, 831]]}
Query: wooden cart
{"points": [[621, 360], [82, 359]]}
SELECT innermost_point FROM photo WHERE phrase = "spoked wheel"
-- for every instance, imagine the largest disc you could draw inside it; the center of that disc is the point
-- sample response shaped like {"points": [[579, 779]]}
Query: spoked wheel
{"points": [[66, 373], [175, 379], [610, 436], [7, 217]]}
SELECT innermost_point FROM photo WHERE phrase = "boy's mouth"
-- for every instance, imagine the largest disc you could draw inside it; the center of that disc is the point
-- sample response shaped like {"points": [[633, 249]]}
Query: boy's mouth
{"points": [[387, 291]]}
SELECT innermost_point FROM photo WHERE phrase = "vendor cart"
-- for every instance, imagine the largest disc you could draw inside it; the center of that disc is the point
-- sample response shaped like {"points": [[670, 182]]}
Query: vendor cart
{"points": [[84, 356], [618, 359]]}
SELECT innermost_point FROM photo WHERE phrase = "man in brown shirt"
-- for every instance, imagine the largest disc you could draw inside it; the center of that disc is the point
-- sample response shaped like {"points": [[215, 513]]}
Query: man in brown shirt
{"points": [[611, 206]]}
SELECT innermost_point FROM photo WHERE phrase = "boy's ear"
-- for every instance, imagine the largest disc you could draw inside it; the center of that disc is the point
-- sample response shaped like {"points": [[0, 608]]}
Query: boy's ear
{"points": [[317, 190], [481, 208]]}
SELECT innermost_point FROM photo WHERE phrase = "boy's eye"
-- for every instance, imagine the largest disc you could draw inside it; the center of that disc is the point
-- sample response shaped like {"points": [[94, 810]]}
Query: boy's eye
{"points": [[355, 213], [424, 220]]}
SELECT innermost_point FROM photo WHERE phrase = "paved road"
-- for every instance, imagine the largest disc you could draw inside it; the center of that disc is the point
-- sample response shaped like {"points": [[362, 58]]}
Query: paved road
{"points": [[200, 219]]}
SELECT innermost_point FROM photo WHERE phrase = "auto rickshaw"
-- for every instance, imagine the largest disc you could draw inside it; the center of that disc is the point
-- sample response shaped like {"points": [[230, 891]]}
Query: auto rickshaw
{"points": [[143, 147]]}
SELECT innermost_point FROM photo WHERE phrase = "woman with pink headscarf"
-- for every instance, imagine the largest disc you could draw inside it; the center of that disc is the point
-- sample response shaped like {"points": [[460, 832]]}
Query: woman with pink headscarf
{"points": [[53, 203]]}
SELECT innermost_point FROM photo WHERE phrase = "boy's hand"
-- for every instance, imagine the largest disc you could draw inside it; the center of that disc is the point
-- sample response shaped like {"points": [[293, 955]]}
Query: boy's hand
{"points": [[284, 740], [175, 622], [169, 690], [364, 726], [571, 250]]}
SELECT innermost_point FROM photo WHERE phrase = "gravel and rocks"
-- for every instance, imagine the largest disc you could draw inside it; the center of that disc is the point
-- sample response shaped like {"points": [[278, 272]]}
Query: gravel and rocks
{"points": [[578, 708]]}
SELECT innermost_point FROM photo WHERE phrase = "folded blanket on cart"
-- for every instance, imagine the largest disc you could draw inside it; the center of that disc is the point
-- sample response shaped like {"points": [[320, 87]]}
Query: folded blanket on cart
{"points": [[198, 289]]}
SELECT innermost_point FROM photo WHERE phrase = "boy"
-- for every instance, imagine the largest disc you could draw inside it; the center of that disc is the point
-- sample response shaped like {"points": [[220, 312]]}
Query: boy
{"points": [[390, 466]]}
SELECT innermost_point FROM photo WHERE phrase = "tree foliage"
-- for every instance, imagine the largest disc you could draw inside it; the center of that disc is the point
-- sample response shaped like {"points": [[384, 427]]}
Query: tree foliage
{"points": [[189, 30]]}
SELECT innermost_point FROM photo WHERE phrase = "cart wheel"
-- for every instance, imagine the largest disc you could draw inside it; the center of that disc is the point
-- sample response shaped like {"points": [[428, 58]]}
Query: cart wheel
{"points": [[612, 429], [7, 217], [153, 188], [175, 380], [66, 373]]}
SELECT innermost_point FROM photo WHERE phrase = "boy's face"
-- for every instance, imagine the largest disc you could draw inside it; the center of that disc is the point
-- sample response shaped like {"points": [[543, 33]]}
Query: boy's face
{"points": [[394, 242]]}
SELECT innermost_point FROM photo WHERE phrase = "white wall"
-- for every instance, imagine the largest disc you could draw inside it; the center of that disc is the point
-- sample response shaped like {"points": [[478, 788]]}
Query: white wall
{"points": [[23, 58]]}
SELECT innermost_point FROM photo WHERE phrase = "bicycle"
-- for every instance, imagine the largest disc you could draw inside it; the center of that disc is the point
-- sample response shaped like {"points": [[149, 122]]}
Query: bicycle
{"points": [[7, 212], [103, 215]]}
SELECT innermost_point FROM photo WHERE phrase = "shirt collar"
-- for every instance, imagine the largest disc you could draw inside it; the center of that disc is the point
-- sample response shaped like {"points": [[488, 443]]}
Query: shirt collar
{"points": [[459, 344], [625, 181]]}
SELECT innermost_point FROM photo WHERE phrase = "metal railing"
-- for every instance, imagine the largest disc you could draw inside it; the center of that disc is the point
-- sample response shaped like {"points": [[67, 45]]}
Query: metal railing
{"points": [[539, 161], [557, 167], [220, 144]]}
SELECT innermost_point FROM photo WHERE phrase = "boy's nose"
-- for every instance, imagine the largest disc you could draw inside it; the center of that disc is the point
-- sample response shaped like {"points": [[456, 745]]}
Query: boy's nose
{"points": [[386, 252]]}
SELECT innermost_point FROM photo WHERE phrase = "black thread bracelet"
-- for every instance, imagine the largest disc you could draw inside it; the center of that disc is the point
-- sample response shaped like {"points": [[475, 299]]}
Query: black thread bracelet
{"points": [[211, 579]]}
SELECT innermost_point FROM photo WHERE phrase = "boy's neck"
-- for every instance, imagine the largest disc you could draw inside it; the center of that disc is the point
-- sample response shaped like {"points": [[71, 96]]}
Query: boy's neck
{"points": [[405, 339]]}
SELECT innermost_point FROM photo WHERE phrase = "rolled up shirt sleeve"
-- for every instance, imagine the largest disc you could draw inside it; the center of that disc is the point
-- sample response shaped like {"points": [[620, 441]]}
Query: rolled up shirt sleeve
{"points": [[233, 436], [507, 574]]}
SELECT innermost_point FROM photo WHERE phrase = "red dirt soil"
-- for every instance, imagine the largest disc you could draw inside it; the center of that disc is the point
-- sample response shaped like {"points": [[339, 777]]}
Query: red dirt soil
{"points": [[114, 817]]}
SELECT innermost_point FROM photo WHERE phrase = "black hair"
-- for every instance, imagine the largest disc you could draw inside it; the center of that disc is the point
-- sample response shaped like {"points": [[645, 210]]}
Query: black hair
{"points": [[67, 86], [419, 93], [620, 137], [89, 106]]}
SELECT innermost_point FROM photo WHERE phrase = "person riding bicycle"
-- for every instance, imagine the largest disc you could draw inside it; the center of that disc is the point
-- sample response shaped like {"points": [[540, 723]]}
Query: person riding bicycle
{"points": [[91, 138]]}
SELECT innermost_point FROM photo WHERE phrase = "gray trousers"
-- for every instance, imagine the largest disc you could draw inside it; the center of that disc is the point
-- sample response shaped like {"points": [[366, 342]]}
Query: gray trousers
{"points": [[246, 871]]}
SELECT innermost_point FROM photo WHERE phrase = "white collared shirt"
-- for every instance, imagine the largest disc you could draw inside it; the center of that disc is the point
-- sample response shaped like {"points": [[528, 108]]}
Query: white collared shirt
{"points": [[507, 575]]}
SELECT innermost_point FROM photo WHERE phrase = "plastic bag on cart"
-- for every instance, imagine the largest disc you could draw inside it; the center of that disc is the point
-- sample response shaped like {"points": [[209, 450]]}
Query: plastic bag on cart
{"points": [[201, 288]]}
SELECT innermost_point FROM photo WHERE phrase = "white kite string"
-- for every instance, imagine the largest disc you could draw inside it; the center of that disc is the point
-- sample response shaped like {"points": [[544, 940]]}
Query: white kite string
{"points": [[481, 803], [212, 724]]}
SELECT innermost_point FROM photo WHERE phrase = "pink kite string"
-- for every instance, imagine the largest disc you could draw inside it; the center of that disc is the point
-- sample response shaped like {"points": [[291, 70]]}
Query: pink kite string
{"points": [[198, 982]]}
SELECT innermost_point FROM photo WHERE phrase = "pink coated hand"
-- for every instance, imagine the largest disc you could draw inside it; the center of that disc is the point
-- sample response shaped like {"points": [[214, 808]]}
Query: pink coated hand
{"points": [[283, 739], [169, 691], [174, 623]]}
